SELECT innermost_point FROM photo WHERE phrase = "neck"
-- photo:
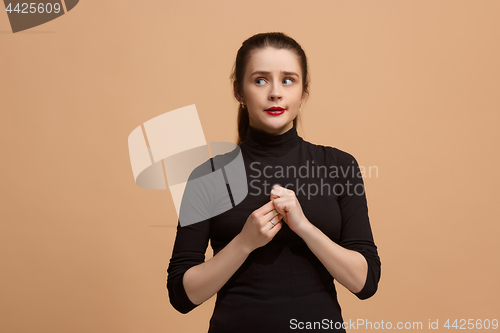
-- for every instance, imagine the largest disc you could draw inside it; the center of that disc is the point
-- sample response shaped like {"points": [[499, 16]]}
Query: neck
{"points": [[271, 144]]}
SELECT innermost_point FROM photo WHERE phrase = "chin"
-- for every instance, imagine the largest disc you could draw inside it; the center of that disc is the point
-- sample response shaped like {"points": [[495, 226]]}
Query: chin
{"points": [[277, 127], [274, 125]]}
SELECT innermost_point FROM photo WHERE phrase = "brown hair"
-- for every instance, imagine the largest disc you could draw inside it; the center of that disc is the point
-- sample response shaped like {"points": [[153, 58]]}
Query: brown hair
{"points": [[277, 40]]}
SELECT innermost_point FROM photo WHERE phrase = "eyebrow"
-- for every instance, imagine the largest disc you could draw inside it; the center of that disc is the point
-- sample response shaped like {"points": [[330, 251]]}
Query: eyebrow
{"points": [[267, 73]]}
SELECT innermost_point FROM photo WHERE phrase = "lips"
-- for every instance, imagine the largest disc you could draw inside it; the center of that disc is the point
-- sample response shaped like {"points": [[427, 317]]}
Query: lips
{"points": [[275, 108]]}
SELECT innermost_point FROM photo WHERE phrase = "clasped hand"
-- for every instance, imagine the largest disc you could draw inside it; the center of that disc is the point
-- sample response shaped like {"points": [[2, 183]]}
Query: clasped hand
{"points": [[265, 222], [288, 206]]}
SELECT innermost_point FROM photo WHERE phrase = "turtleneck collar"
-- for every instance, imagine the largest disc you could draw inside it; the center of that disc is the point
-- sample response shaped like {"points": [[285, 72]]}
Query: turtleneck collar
{"points": [[271, 144]]}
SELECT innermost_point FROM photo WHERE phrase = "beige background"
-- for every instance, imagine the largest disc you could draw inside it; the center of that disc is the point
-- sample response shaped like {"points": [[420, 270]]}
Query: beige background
{"points": [[412, 87]]}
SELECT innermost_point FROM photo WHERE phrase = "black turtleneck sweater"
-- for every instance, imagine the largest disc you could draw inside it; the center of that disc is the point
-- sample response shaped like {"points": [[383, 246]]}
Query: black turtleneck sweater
{"points": [[282, 286]]}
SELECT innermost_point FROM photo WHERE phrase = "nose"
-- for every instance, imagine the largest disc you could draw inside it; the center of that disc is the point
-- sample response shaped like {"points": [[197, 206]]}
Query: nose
{"points": [[275, 92]]}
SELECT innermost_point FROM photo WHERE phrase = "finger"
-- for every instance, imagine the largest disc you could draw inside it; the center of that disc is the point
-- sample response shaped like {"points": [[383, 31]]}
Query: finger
{"points": [[270, 215], [280, 205], [265, 209], [274, 194], [284, 190], [277, 191], [278, 200], [274, 219], [275, 229]]}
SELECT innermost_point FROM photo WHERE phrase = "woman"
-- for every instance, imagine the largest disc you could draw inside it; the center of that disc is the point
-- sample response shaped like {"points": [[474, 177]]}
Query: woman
{"points": [[277, 252]]}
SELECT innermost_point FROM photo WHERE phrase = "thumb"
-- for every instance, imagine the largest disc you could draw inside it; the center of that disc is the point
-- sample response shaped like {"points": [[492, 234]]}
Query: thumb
{"points": [[274, 196], [274, 189]]}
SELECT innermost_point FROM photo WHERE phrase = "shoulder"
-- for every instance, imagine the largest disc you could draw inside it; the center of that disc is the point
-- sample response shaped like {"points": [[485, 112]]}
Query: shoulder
{"points": [[213, 164], [201, 170], [331, 154]]}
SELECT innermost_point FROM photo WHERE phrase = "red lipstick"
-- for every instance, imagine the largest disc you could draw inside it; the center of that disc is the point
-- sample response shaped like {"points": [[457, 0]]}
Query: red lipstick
{"points": [[275, 110]]}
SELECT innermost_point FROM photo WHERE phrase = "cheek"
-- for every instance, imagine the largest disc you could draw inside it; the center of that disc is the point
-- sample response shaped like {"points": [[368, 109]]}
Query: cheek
{"points": [[252, 95], [297, 94]]}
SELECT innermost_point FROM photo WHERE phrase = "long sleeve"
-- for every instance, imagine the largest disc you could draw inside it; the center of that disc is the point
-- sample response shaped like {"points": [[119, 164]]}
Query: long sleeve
{"points": [[192, 236], [283, 279], [206, 195], [189, 250], [356, 233]]}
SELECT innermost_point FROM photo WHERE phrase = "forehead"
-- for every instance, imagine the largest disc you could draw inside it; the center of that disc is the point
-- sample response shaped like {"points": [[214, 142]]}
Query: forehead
{"points": [[273, 60]]}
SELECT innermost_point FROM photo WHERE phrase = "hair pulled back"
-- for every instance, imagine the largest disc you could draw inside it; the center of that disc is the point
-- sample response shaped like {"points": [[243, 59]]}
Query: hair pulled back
{"points": [[276, 40]]}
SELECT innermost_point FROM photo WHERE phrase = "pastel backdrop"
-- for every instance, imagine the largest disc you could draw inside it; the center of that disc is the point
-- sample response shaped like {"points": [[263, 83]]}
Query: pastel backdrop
{"points": [[411, 87]]}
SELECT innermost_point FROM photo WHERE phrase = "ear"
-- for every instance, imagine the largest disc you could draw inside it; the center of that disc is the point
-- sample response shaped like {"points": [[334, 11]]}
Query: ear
{"points": [[236, 93], [304, 96]]}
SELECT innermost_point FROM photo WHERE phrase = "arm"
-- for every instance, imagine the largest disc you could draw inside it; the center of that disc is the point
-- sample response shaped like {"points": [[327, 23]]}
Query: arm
{"points": [[191, 281], [189, 250], [356, 233], [203, 281], [348, 267], [354, 261]]}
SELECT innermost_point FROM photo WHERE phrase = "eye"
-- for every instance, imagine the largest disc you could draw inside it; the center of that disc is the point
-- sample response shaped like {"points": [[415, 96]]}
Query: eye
{"points": [[260, 81], [288, 81]]}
